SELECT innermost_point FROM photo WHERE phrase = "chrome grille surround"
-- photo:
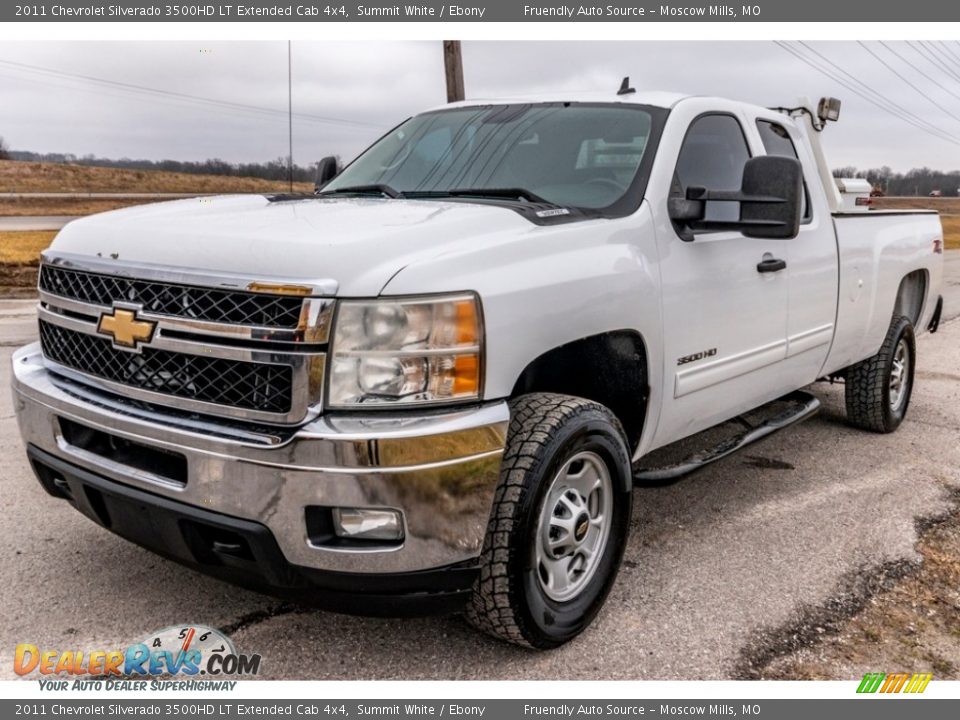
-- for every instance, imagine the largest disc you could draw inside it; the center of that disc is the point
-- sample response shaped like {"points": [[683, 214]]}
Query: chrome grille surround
{"points": [[195, 363], [163, 298]]}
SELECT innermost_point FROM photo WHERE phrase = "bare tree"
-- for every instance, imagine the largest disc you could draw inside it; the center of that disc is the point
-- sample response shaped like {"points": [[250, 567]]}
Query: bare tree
{"points": [[845, 172], [4, 150]]}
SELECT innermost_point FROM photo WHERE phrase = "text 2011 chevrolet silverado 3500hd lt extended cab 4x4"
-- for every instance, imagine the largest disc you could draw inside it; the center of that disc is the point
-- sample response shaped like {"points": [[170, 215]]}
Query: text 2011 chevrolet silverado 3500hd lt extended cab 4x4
{"points": [[432, 380]]}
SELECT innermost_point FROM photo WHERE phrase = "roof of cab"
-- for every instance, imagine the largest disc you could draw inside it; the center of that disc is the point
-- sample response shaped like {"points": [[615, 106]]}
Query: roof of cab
{"points": [[654, 98]]}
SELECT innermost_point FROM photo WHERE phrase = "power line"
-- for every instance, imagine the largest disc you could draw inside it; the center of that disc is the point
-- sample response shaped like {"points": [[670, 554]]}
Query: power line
{"points": [[883, 98], [949, 52], [19, 76], [908, 82], [856, 91], [922, 51], [141, 89], [290, 110], [945, 60], [108, 91], [797, 54], [922, 72], [944, 52]]}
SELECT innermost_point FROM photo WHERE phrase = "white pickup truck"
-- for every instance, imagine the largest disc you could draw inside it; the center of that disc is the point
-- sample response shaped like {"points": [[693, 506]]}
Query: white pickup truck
{"points": [[431, 385]]}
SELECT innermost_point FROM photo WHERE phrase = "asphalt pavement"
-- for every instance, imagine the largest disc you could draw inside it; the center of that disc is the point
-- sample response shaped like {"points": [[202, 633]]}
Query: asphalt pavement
{"points": [[950, 288], [34, 222], [715, 563]]}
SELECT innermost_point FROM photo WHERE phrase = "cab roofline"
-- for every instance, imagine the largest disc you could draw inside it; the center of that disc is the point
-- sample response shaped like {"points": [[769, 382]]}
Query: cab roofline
{"points": [[654, 98]]}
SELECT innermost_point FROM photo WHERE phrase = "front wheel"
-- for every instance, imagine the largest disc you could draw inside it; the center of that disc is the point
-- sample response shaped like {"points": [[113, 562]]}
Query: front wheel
{"points": [[878, 389], [559, 522]]}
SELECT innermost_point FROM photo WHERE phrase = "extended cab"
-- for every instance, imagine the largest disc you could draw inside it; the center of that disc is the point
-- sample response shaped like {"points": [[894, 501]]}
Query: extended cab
{"points": [[432, 384]]}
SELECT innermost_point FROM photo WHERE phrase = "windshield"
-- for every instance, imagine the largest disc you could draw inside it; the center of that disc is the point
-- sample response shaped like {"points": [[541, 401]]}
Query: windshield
{"points": [[567, 154]]}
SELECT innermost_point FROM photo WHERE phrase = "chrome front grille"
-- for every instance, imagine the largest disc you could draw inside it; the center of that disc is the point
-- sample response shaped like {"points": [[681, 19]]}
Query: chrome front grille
{"points": [[218, 348], [164, 298]]}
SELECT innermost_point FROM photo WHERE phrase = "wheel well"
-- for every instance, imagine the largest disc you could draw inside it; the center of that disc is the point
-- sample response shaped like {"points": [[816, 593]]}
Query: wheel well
{"points": [[610, 368], [910, 296]]}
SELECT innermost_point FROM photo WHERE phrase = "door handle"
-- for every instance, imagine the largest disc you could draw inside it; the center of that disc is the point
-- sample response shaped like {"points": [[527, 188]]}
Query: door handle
{"points": [[771, 264]]}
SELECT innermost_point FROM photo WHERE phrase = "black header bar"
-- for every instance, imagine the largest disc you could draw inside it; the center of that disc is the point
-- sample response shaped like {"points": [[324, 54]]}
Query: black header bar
{"points": [[482, 11]]}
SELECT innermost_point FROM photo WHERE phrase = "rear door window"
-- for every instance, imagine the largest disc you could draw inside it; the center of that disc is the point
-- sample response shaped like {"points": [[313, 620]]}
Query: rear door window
{"points": [[776, 141]]}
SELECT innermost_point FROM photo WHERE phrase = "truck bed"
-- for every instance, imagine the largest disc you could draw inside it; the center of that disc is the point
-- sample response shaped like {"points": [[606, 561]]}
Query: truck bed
{"points": [[876, 249]]}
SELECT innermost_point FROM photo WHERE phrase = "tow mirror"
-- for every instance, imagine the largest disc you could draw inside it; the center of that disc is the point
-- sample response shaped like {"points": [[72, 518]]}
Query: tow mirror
{"points": [[770, 197], [327, 170], [773, 190]]}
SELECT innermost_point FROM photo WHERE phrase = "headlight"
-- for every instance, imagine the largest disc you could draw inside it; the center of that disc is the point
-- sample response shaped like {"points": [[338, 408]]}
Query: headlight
{"points": [[401, 352]]}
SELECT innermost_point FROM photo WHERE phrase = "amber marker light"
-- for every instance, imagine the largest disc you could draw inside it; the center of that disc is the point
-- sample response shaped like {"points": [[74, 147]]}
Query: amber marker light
{"points": [[279, 289]]}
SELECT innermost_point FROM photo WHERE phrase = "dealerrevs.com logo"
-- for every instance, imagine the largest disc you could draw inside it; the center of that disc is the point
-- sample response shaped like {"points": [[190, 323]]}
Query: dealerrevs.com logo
{"points": [[177, 651]]}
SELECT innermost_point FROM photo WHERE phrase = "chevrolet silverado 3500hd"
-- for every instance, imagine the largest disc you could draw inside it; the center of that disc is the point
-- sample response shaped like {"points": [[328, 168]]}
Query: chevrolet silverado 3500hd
{"points": [[434, 380]]}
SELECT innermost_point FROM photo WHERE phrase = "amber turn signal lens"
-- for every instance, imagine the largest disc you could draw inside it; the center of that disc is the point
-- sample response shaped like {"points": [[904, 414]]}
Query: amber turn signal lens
{"points": [[466, 375], [468, 328]]}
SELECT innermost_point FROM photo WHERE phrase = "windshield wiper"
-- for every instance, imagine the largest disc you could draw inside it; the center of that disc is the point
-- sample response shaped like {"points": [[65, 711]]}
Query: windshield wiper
{"points": [[506, 193], [518, 194], [362, 189]]}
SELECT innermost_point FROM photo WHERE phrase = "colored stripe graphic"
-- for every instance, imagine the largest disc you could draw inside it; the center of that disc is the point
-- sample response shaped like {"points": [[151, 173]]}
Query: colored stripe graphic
{"points": [[894, 683], [918, 683], [870, 683]]}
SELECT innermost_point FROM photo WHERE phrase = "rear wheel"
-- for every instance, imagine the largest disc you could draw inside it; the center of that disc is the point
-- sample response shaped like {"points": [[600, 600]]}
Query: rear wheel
{"points": [[878, 389], [559, 522]]}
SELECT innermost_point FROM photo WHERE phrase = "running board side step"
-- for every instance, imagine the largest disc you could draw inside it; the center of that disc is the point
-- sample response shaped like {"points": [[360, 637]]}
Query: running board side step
{"points": [[802, 406]]}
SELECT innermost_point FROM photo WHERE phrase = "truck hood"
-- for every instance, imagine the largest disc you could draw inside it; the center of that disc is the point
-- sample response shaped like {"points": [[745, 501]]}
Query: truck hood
{"points": [[359, 243]]}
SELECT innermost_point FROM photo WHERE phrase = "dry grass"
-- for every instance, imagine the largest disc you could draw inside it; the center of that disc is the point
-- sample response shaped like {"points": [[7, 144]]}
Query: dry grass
{"points": [[946, 205], [913, 627], [951, 231], [20, 251], [54, 206], [19, 258], [17, 176], [24, 248], [949, 209]]}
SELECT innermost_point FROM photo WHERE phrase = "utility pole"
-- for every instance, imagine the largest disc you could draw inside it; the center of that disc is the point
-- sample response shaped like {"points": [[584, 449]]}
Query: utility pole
{"points": [[453, 64], [290, 112]]}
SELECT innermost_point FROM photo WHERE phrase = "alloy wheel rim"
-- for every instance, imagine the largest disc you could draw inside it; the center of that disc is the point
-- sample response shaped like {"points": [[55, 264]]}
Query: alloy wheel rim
{"points": [[899, 375], [574, 526]]}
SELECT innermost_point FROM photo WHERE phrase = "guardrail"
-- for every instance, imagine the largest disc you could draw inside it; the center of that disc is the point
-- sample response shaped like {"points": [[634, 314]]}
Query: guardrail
{"points": [[106, 195]]}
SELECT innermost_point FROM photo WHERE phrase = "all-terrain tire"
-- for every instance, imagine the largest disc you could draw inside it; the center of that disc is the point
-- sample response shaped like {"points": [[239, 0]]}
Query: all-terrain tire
{"points": [[874, 400], [547, 433]]}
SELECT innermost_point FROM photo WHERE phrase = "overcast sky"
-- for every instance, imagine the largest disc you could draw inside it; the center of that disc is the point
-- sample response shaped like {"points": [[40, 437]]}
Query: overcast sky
{"points": [[352, 92]]}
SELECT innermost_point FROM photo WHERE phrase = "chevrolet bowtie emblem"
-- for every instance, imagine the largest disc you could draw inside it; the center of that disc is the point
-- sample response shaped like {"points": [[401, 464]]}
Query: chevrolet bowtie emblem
{"points": [[125, 329]]}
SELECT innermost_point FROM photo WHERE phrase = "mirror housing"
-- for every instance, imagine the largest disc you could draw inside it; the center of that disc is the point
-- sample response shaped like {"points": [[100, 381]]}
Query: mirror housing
{"points": [[770, 197], [327, 170]]}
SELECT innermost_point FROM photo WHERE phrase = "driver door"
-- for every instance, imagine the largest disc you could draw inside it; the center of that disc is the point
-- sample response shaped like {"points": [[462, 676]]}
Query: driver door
{"points": [[724, 307]]}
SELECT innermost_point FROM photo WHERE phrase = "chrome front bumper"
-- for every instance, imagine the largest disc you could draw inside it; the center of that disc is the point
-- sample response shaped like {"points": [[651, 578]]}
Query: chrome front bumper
{"points": [[439, 468]]}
